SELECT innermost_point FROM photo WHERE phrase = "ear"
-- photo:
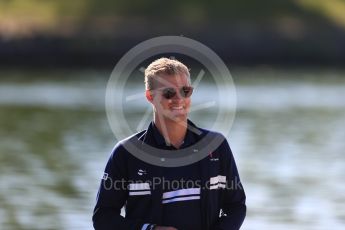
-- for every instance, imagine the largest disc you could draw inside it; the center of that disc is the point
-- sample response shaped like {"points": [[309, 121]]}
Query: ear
{"points": [[149, 96]]}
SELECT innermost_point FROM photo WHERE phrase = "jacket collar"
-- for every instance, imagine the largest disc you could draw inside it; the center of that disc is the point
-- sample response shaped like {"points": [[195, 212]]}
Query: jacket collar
{"points": [[153, 136]]}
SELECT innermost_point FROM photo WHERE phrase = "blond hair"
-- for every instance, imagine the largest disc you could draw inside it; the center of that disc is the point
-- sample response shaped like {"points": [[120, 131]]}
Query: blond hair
{"points": [[163, 67]]}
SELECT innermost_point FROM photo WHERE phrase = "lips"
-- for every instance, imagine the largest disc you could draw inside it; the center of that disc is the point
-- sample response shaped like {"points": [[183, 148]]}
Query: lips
{"points": [[177, 107]]}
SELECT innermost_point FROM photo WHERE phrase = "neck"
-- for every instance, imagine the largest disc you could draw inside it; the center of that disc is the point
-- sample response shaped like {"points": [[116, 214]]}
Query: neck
{"points": [[172, 131]]}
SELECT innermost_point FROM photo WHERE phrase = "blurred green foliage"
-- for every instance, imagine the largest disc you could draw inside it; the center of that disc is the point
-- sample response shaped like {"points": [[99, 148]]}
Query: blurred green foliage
{"points": [[24, 17]]}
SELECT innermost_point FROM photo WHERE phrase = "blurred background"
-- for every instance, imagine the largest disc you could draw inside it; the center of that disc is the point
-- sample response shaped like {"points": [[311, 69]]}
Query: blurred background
{"points": [[287, 61]]}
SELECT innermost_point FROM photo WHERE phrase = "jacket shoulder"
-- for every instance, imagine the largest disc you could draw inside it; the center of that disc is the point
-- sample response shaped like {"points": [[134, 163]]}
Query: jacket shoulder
{"points": [[119, 148]]}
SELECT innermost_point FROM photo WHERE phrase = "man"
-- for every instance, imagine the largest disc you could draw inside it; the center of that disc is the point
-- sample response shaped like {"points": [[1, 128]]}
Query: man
{"points": [[213, 198]]}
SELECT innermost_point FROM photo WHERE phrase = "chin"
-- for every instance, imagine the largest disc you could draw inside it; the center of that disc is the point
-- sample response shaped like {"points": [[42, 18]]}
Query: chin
{"points": [[180, 117], [176, 117]]}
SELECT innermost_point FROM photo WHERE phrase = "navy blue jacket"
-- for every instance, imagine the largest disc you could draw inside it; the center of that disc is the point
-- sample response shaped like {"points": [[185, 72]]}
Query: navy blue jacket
{"points": [[222, 196]]}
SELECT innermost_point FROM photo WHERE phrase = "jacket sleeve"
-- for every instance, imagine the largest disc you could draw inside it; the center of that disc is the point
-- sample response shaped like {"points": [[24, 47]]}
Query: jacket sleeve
{"points": [[233, 206], [112, 195]]}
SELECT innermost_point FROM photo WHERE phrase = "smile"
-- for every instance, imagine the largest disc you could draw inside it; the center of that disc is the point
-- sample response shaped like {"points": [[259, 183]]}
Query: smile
{"points": [[177, 108]]}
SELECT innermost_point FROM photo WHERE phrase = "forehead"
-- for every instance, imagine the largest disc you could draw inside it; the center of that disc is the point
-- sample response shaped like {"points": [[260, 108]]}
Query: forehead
{"points": [[172, 80]]}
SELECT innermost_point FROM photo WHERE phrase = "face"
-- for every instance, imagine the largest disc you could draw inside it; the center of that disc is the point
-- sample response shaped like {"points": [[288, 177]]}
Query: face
{"points": [[176, 107]]}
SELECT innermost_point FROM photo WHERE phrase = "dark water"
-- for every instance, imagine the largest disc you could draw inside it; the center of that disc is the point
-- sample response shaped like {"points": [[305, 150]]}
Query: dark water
{"points": [[287, 137]]}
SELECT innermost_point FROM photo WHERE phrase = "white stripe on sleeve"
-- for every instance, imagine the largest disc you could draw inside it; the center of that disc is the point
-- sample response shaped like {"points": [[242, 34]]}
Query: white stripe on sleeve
{"points": [[140, 193], [139, 186], [217, 179]]}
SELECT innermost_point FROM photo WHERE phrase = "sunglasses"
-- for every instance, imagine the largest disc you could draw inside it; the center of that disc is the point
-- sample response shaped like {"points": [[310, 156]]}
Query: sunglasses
{"points": [[185, 92]]}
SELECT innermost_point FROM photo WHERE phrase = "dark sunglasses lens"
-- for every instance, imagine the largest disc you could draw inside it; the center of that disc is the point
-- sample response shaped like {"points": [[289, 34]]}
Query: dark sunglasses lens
{"points": [[186, 91], [169, 93]]}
